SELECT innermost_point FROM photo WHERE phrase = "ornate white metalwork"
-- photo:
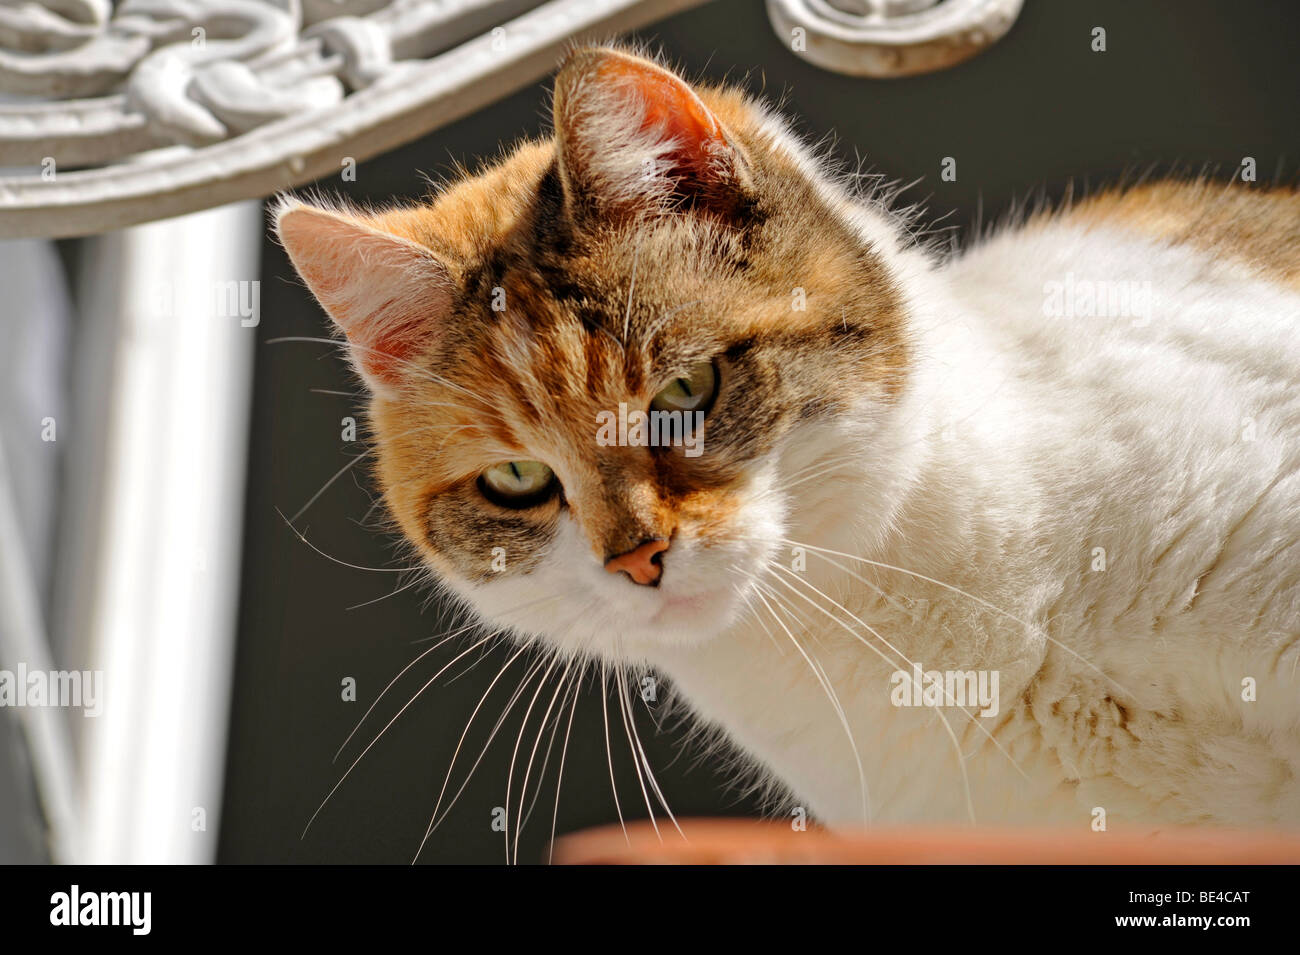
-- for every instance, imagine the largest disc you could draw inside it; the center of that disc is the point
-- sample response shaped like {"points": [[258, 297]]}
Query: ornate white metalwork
{"points": [[886, 38], [263, 94], [254, 96]]}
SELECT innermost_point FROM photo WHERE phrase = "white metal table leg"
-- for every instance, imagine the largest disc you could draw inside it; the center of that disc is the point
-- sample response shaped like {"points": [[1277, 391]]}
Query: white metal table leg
{"points": [[23, 642], [161, 523]]}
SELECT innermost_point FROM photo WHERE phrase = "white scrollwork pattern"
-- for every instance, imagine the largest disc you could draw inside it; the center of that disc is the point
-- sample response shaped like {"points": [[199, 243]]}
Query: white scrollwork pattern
{"points": [[152, 108]]}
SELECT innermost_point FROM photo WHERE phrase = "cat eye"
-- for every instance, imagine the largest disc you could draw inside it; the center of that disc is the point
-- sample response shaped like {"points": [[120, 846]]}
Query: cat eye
{"points": [[693, 391], [517, 484]]}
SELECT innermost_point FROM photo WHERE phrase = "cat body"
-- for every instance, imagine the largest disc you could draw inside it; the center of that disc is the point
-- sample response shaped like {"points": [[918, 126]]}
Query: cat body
{"points": [[1123, 495], [1062, 467]]}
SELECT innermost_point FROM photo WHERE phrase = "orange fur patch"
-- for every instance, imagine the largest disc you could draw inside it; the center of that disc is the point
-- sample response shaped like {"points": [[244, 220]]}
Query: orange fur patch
{"points": [[1255, 227]]}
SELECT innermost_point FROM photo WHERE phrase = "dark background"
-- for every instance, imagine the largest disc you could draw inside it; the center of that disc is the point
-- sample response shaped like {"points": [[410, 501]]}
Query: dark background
{"points": [[1182, 85]]}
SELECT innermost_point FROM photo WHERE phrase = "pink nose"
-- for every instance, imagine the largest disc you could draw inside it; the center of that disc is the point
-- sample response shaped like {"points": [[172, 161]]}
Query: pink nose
{"points": [[639, 562]]}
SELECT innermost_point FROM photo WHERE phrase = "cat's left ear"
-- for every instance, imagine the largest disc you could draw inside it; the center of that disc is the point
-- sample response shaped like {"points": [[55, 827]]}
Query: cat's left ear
{"points": [[389, 295], [633, 137]]}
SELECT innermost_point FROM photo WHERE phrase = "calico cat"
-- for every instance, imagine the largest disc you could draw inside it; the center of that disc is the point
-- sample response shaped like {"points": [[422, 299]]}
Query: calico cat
{"points": [[1010, 536]]}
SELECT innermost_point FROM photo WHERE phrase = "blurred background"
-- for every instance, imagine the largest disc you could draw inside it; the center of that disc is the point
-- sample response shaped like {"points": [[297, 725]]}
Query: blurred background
{"points": [[227, 641]]}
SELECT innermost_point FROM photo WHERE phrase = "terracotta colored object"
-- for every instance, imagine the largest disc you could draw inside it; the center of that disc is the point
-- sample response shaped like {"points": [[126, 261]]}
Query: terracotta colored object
{"points": [[746, 841]]}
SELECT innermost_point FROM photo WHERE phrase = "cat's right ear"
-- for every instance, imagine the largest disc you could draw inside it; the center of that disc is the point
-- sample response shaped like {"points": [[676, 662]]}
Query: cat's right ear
{"points": [[390, 296], [633, 137]]}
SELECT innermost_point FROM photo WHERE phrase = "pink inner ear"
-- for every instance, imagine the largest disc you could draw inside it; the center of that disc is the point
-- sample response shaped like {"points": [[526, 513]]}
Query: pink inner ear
{"points": [[386, 338], [615, 113], [671, 111], [388, 295]]}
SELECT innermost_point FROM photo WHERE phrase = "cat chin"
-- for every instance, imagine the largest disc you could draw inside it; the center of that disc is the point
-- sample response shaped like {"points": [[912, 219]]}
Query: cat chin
{"points": [[571, 604], [621, 628]]}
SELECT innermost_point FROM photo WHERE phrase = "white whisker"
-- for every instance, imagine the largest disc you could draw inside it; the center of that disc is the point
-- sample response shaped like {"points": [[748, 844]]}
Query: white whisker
{"points": [[404, 708], [609, 754], [835, 704]]}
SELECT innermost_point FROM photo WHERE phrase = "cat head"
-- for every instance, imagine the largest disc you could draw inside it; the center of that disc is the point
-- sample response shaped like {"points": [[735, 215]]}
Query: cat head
{"points": [[611, 373]]}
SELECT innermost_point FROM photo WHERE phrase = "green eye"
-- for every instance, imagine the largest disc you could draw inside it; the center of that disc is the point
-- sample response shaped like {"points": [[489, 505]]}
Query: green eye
{"points": [[517, 484], [692, 392]]}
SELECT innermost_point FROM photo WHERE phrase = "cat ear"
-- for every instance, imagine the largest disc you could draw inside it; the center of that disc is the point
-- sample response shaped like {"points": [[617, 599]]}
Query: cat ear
{"points": [[634, 137], [390, 296]]}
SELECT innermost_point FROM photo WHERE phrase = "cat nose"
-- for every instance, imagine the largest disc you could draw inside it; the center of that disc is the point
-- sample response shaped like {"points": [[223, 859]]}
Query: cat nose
{"points": [[641, 562]]}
